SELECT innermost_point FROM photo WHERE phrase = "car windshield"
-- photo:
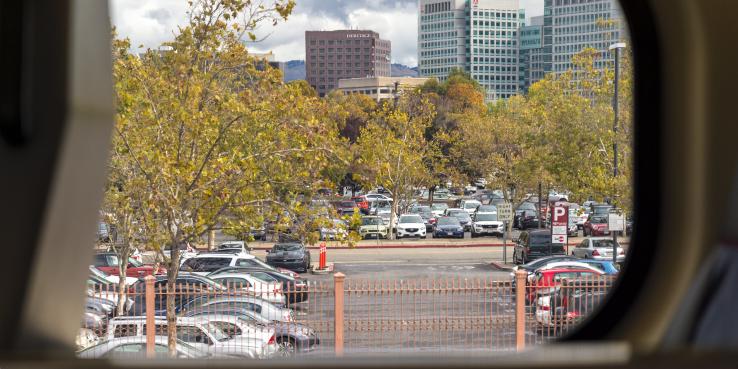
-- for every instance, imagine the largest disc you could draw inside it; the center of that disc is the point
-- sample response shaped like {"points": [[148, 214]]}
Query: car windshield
{"points": [[217, 333], [371, 221], [540, 239], [486, 217], [448, 221], [439, 206], [599, 220], [603, 243], [287, 247], [527, 206], [135, 263], [411, 219]]}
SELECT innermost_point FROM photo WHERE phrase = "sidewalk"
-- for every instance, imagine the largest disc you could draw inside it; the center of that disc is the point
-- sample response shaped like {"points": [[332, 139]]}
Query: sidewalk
{"points": [[419, 243]]}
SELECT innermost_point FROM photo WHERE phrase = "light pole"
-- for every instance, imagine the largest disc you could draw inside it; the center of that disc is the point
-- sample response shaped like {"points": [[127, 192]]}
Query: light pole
{"points": [[617, 47]]}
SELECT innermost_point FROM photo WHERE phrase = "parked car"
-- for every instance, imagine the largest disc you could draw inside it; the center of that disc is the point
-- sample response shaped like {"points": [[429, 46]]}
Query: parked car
{"points": [[470, 206], [239, 247], [441, 194], [292, 256], [373, 226], [438, 208], [567, 304], [112, 279], [411, 225], [185, 252], [425, 212], [535, 244], [362, 203], [486, 224], [545, 280], [347, 208], [264, 308], [268, 290], [371, 197], [526, 216], [606, 266], [107, 262], [186, 286], [448, 226], [106, 232], [129, 348], [486, 209], [462, 215], [200, 333], [291, 337], [209, 262], [598, 248], [337, 230], [596, 225], [294, 289]]}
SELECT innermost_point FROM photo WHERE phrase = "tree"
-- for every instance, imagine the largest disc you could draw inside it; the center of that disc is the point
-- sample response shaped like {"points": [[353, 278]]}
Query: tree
{"points": [[393, 150], [207, 135]]}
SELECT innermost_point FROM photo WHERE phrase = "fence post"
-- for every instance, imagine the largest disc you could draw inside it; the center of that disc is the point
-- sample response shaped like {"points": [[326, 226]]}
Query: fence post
{"points": [[150, 311], [521, 278], [338, 279]]}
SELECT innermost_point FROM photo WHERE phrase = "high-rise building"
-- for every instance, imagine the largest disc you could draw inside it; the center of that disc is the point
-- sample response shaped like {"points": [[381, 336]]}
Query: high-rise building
{"points": [[477, 36], [572, 25], [531, 53], [334, 55]]}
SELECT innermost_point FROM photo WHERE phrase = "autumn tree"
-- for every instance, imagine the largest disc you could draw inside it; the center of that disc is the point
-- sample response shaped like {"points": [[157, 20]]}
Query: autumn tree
{"points": [[207, 134], [393, 150]]}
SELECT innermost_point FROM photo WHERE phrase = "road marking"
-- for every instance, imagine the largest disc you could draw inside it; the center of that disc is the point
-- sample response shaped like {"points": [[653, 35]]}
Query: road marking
{"points": [[441, 264]]}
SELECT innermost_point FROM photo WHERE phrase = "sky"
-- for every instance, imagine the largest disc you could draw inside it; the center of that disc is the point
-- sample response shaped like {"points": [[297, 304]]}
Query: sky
{"points": [[149, 23]]}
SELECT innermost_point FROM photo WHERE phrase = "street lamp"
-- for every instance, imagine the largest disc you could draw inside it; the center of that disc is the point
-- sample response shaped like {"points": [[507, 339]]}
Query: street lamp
{"points": [[617, 47]]}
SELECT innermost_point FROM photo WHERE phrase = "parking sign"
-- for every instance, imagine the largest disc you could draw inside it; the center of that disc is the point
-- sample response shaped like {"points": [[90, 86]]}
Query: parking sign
{"points": [[559, 223]]}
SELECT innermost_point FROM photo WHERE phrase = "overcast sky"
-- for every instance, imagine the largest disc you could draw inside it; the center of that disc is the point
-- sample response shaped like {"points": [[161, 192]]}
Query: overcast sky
{"points": [[149, 23]]}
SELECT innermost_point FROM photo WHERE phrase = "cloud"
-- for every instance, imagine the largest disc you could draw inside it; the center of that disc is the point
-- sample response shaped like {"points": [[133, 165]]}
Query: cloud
{"points": [[149, 23]]}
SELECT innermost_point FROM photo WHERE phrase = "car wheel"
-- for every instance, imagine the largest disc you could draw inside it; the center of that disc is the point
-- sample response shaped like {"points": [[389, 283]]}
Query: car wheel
{"points": [[424, 237], [473, 235], [286, 347]]}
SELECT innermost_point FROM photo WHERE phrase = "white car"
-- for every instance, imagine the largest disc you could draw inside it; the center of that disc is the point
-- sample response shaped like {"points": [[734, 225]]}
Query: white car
{"points": [[336, 231], [598, 248], [114, 279], [487, 224], [470, 206], [410, 225], [204, 264], [198, 332], [269, 291], [377, 197], [237, 247], [438, 209]]}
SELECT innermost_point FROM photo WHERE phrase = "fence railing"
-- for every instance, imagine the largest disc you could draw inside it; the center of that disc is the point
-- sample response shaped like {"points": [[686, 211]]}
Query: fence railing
{"points": [[364, 316]]}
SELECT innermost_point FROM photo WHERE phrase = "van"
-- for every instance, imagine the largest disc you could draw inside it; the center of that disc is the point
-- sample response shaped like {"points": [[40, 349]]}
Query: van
{"points": [[532, 245]]}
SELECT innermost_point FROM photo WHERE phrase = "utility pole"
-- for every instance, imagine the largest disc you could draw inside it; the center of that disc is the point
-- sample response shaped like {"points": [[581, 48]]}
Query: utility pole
{"points": [[616, 111]]}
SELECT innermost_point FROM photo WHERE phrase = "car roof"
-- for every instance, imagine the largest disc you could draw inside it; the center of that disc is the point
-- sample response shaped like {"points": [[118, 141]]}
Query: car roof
{"points": [[539, 231], [210, 255], [565, 269]]}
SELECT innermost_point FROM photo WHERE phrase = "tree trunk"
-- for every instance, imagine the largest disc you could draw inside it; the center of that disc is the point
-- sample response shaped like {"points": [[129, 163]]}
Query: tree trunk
{"points": [[211, 240], [122, 271], [172, 271]]}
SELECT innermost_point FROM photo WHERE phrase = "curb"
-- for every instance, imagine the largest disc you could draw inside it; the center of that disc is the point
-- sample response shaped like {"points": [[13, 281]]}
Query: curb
{"points": [[328, 269], [501, 267], [417, 246]]}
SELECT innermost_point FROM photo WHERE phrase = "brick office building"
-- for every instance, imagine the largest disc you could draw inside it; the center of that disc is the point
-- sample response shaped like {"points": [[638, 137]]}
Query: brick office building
{"points": [[334, 55]]}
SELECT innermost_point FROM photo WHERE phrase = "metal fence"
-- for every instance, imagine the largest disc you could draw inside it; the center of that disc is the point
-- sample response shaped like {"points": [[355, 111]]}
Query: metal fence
{"points": [[356, 316]]}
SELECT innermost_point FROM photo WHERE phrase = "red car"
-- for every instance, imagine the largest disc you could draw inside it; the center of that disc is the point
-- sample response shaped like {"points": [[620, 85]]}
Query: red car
{"points": [[107, 262], [553, 277], [596, 225], [362, 203]]}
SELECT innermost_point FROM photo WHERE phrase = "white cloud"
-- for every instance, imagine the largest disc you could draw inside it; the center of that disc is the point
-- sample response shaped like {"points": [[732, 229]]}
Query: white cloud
{"points": [[152, 22]]}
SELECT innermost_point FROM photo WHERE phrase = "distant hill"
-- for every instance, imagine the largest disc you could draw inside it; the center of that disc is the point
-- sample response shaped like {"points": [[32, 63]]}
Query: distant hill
{"points": [[295, 69], [400, 70]]}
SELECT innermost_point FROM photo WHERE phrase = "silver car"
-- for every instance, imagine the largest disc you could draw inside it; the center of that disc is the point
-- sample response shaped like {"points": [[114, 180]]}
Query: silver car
{"points": [[266, 309], [598, 248], [135, 348]]}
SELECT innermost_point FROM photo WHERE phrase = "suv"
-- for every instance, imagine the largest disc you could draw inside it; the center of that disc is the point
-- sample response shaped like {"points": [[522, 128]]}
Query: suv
{"points": [[411, 225], [205, 263], [536, 244], [206, 334], [373, 226], [486, 223]]}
